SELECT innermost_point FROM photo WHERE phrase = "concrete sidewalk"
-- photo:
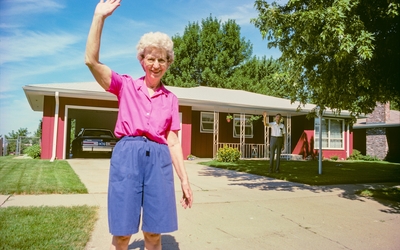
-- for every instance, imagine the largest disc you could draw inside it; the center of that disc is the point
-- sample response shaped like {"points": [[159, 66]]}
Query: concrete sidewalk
{"points": [[242, 211]]}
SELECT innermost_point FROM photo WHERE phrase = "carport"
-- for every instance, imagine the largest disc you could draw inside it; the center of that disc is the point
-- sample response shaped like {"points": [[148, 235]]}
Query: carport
{"points": [[85, 104], [86, 117]]}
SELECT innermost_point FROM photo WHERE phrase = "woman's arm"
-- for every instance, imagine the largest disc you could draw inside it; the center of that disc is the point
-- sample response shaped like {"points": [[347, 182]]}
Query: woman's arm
{"points": [[177, 160], [101, 72]]}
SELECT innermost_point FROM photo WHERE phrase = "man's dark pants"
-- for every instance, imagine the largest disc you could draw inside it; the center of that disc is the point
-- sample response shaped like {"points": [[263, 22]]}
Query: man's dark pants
{"points": [[276, 144]]}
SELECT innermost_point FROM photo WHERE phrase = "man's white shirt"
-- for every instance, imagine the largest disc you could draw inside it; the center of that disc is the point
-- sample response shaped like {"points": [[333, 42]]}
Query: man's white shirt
{"points": [[277, 130]]}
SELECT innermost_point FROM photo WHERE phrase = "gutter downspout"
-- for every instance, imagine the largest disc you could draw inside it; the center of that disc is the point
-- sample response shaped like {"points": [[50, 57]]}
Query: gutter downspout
{"points": [[56, 110]]}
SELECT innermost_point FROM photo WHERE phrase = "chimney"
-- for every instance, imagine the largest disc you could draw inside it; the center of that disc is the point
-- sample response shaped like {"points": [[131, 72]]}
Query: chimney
{"points": [[380, 114]]}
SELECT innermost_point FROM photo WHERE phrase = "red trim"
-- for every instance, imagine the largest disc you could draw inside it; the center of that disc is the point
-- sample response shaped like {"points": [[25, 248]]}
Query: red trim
{"points": [[186, 140]]}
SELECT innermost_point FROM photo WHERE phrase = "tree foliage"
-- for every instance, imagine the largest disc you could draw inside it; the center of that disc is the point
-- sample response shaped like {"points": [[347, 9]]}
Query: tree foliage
{"points": [[339, 54], [12, 139], [214, 54], [38, 132], [207, 55], [259, 75], [20, 132]]}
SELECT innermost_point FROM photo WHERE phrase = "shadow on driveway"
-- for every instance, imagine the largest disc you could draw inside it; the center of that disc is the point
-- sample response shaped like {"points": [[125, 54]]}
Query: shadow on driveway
{"points": [[263, 183]]}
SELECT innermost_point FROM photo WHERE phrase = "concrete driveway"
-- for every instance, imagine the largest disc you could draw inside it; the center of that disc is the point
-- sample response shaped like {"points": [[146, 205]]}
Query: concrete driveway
{"points": [[242, 211]]}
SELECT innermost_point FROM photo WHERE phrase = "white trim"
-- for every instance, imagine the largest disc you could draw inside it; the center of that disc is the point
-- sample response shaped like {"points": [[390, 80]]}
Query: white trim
{"points": [[316, 146], [201, 123], [237, 117], [66, 119]]}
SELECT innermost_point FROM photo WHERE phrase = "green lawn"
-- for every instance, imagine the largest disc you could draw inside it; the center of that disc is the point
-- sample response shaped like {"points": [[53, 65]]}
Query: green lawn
{"points": [[35, 176], [46, 227], [388, 194], [43, 227], [333, 172]]}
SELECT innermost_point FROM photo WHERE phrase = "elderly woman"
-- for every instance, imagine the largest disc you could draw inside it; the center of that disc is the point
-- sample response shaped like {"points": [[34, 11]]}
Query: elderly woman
{"points": [[141, 176]]}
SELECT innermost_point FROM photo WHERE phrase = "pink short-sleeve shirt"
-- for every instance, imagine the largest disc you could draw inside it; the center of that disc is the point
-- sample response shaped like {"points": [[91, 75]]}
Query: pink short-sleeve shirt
{"points": [[142, 115]]}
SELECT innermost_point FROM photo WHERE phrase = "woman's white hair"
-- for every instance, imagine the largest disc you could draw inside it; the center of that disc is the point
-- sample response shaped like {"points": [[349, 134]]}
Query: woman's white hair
{"points": [[157, 40]]}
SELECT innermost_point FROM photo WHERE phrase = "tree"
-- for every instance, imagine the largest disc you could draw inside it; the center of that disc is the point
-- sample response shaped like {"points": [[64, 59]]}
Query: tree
{"points": [[259, 75], [207, 55], [339, 54], [20, 132], [12, 139], [38, 132]]}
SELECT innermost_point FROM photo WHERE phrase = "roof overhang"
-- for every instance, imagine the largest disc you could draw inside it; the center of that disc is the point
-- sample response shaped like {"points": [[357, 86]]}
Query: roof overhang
{"points": [[199, 98], [391, 120], [376, 125]]}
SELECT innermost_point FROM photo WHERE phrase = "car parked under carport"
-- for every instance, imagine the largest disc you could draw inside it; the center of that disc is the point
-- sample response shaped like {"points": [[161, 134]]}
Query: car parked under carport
{"points": [[91, 141]]}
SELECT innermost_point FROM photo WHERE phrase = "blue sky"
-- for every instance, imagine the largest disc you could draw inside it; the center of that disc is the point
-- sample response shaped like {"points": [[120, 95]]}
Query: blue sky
{"points": [[44, 42]]}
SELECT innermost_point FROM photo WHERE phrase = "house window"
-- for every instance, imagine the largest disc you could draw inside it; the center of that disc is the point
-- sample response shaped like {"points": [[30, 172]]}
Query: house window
{"points": [[332, 133], [248, 127], [206, 122]]}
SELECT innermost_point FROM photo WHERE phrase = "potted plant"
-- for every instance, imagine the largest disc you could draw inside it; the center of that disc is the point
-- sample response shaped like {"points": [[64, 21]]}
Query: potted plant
{"points": [[229, 118]]}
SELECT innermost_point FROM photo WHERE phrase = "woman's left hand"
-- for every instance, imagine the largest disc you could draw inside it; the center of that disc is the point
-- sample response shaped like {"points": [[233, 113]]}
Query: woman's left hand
{"points": [[187, 197]]}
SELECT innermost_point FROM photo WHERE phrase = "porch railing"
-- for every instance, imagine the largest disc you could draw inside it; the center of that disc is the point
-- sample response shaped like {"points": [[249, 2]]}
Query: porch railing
{"points": [[249, 150], [257, 151]]}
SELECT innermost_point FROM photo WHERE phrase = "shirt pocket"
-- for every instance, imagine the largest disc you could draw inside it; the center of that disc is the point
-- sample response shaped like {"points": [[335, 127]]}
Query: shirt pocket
{"points": [[162, 119]]}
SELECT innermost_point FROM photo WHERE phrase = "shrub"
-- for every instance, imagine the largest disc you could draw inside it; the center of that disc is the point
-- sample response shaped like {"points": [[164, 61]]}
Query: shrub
{"points": [[370, 158], [334, 157], [228, 154], [33, 151], [356, 155]]}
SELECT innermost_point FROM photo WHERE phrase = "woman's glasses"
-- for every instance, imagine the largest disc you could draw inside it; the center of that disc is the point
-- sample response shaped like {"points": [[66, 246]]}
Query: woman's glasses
{"points": [[152, 60]]}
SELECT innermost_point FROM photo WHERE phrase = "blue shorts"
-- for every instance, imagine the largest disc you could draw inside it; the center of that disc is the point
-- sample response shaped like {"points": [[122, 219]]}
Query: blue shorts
{"points": [[141, 179]]}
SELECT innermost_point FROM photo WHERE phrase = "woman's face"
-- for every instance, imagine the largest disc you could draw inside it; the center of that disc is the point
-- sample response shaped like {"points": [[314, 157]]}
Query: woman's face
{"points": [[155, 62]]}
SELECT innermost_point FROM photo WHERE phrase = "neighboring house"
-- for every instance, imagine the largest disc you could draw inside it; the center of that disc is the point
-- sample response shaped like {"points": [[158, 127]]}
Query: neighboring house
{"points": [[379, 134], [203, 117]]}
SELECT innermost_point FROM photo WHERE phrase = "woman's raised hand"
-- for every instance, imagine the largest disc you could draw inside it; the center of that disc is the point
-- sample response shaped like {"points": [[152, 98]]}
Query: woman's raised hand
{"points": [[106, 7]]}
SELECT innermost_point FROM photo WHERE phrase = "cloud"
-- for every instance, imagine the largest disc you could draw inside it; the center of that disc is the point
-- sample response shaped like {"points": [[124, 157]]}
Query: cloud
{"points": [[6, 26], [241, 14], [24, 54], [32, 44], [27, 118], [52, 56], [28, 7]]}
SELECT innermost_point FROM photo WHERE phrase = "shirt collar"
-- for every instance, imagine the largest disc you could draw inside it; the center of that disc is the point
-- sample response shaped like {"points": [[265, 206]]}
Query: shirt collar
{"points": [[161, 90]]}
